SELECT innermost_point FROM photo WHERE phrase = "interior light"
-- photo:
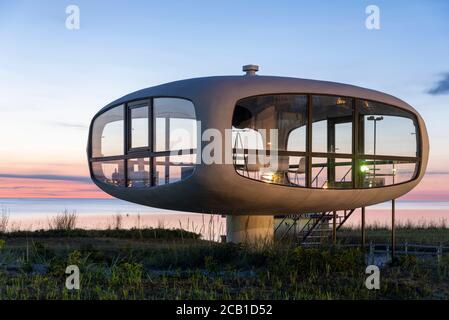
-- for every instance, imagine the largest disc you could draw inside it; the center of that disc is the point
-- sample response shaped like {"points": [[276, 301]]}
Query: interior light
{"points": [[341, 101], [268, 177], [364, 168]]}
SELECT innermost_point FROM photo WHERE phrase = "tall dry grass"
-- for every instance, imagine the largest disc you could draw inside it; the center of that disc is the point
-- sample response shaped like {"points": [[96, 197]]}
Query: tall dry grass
{"points": [[65, 220], [4, 219], [117, 221]]}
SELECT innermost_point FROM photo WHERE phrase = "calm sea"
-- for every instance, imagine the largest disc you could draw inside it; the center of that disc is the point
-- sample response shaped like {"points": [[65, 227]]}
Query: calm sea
{"points": [[98, 213]]}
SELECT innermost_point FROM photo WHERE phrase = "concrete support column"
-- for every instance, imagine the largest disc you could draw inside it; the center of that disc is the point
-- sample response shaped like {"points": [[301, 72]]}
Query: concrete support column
{"points": [[250, 229]]}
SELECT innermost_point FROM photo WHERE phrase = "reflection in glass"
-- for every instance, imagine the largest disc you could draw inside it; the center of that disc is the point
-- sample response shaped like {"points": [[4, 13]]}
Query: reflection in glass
{"points": [[285, 170], [139, 173], [107, 133], [139, 126], [174, 168], [332, 124], [297, 139], [175, 124], [332, 173], [110, 172], [379, 173], [254, 117], [387, 130], [247, 139], [319, 173]]}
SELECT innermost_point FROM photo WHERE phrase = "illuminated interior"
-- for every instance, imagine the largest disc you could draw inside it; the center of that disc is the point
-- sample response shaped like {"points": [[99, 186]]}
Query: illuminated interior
{"points": [[323, 141]]}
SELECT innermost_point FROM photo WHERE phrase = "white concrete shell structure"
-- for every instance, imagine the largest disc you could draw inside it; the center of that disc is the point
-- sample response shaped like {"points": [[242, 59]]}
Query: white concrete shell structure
{"points": [[339, 146]]}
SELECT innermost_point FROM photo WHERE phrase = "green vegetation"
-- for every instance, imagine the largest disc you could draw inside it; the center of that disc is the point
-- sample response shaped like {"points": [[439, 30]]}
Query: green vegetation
{"points": [[147, 233], [158, 263], [175, 264], [419, 234]]}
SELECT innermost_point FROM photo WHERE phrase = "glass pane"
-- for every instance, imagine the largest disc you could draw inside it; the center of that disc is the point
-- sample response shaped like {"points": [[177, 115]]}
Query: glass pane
{"points": [[287, 170], [175, 124], [247, 139], [331, 173], [160, 133], [108, 133], [319, 173], [181, 167], [139, 173], [332, 124], [111, 172], [386, 130], [340, 174], [174, 168], [297, 171], [297, 140], [252, 165], [259, 120], [160, 175], [379, 173], [139, 126], [343, 137]]}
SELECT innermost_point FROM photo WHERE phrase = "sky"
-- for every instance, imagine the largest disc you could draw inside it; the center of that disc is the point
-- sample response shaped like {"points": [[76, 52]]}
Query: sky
{"points": [[53, 80]]}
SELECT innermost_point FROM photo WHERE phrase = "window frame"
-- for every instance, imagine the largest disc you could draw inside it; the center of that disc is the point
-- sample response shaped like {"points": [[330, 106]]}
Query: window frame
{"points": [[136, 105], [92, 125]]}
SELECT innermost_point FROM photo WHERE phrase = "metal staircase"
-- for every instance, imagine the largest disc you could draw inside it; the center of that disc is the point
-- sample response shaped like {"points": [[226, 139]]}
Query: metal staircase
{"points": [[318, 228]]}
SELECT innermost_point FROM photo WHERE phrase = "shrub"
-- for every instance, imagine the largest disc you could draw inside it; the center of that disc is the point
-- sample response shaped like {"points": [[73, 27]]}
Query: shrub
{"points": [[64, 221], [4, 219]]}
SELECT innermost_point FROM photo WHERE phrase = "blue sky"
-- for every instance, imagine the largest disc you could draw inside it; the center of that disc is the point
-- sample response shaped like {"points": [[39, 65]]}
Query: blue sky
{"points": [[53, 80]]}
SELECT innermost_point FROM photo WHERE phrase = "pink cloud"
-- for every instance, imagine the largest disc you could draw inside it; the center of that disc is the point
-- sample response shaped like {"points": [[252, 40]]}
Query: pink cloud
{"points": [[433, 187], [42, 188]]}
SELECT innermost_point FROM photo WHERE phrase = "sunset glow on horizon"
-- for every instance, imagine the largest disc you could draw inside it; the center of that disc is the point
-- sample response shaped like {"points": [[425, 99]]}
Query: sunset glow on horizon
{"points": [[43, 188]]}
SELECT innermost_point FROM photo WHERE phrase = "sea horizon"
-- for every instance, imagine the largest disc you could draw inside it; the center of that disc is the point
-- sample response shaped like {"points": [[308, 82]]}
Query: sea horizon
{"points": [[35, 213]]}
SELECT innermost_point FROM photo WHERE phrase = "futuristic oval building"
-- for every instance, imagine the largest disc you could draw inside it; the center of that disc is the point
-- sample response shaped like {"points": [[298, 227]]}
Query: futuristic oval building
{"points": [[283, 146]]}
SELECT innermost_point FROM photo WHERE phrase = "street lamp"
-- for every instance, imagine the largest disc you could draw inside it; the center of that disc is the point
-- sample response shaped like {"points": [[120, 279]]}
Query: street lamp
{"points": [[375, 119]]}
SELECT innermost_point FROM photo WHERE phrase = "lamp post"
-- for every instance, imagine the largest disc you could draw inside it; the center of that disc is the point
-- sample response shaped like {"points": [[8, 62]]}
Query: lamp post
{"points": [[375, 119]]}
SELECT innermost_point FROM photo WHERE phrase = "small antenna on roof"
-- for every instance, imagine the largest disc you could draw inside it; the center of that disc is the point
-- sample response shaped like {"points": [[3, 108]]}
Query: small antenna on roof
{"points": [[250, 69]]}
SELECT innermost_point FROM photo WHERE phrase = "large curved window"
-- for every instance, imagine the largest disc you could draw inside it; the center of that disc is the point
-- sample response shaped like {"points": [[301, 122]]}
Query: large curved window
{"points": [[271, 123], [107, 134], [145, 143], [387, 130], [323, 141], [332, 124], [175, 124], [111, 172]]}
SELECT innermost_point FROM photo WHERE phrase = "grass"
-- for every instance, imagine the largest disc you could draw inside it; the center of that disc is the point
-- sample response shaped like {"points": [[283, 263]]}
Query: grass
{"points": [[160, 263], [434, 234], [64, 221], [176, 264], [4, 219], [134, 233]]}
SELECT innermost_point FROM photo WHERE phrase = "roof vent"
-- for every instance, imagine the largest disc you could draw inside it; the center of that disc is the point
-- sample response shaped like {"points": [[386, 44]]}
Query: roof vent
{"points": [[250, 69]]}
